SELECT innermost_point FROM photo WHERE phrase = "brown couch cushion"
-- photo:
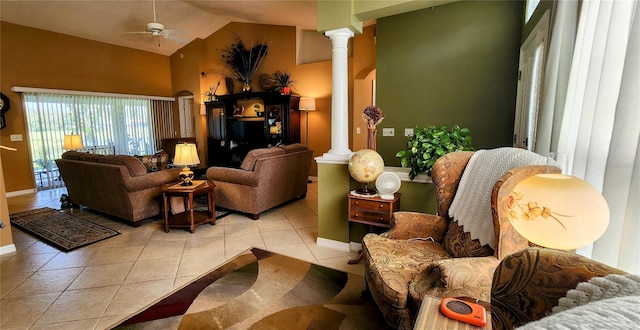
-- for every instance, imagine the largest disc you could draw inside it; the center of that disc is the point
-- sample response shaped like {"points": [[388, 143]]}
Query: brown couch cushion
{"points": [[459, 244], [134, 165], [250, 161], [87, 157], [295, 147], [73, 155]]}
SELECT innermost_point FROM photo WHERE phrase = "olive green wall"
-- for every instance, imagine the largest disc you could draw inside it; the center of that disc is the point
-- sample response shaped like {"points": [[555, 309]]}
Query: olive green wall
{"points": [[417, 197], [455, 64], [332, 202]]}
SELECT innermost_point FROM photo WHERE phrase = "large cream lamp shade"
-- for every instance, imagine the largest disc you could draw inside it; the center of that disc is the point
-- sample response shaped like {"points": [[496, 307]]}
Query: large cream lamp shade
{"points": [[186, 155], [558, 211]]}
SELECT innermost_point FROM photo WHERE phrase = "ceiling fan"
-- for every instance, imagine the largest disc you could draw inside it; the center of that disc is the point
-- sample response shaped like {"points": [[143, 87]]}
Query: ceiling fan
{"points": [[157, 30]]}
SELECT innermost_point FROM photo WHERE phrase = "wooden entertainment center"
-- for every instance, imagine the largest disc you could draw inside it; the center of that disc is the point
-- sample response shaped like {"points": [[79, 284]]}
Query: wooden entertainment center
{"points": [[239, 123]]}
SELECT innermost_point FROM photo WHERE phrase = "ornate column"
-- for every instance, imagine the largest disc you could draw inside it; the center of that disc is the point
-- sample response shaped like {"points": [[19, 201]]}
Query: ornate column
{"points": [[340, 95]]}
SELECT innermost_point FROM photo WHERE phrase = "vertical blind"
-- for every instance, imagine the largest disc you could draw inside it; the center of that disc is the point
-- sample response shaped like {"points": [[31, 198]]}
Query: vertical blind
{"points": [[107, 125]]}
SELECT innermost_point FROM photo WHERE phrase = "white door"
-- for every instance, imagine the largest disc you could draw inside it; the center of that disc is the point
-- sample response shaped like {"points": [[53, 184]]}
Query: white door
{"points": [[533, 55], [187, 120]]}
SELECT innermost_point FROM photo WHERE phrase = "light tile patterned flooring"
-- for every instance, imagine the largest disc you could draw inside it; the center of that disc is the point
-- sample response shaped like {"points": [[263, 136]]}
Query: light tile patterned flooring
{"points": [[96, 286]]}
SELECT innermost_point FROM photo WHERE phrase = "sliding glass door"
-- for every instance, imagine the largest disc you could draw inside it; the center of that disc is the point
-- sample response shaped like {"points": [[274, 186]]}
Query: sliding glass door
{"points": [[107, 125]]}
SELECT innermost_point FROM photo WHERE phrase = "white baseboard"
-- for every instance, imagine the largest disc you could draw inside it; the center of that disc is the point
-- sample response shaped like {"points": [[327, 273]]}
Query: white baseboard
{"points": [[7, 249], [21, 192], [336, 245], [355, 246]]}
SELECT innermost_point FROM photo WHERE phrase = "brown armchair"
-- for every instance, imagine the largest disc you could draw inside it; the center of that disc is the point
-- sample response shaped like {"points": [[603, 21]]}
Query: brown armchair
{"points": [[529, 283], [426, 254]]}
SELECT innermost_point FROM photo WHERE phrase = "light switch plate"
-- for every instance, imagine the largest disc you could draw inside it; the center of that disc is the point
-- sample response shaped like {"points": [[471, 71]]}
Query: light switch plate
{"points": [[408, 131], [357, 130], [16, 137], [388, 131]]}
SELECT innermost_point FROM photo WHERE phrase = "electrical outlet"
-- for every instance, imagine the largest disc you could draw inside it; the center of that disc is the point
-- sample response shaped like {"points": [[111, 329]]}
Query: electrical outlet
{"points": [[388, 131], [357, 130], [16, 137], [408, 131]]}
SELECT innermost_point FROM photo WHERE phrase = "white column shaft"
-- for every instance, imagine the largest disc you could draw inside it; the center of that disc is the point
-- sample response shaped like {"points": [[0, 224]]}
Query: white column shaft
{"points": [[340, 94]]}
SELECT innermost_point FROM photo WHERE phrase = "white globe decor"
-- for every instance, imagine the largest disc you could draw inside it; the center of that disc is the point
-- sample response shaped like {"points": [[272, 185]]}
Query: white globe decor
{"points": [[365, 166]]}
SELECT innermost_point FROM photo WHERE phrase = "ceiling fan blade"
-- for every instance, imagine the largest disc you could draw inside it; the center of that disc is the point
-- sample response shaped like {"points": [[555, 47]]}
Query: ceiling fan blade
{"points": [[174, 38], [171, 31]]}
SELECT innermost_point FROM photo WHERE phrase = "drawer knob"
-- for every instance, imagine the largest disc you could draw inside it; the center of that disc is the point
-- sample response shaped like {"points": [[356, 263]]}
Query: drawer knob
{"points": [[381, 219], [357, 203], [381, 206], [356, 215]]}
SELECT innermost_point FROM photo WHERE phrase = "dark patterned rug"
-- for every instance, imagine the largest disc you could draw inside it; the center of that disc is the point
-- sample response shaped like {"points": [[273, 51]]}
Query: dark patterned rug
{"points": [[259, 289], [63, 231]]}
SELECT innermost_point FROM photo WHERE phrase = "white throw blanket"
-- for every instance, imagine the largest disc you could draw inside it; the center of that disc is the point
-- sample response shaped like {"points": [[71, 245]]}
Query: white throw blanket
{"points": [[610, 302], [471, 206]]}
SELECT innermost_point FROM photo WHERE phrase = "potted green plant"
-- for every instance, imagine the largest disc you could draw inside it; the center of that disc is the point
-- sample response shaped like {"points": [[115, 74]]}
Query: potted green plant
{"points": [[428, 144], [283, 82]]}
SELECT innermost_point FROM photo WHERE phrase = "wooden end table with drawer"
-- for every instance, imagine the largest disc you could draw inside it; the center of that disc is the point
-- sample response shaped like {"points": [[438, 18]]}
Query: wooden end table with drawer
{"points": [[373, 211]]}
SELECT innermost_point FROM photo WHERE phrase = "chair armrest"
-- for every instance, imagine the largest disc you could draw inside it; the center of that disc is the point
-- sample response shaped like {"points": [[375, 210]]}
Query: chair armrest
{"points": [[408, 225], [233, 175], [456, 277], [151, 180], [538, 278]]}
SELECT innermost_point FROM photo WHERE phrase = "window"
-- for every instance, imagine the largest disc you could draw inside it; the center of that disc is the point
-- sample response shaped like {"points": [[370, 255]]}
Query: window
{"points": [[530, 8], [107, 125], [530, 77]]}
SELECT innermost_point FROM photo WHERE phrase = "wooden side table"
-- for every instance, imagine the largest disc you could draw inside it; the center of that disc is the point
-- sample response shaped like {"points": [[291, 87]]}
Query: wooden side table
{"points": [[372, 211], [430, 317], [190, 218]]}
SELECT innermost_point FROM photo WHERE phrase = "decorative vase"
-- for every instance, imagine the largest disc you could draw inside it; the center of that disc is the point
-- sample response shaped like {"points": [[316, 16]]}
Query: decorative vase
{"points": [[228, 81], [246, 87], [371, 138]]}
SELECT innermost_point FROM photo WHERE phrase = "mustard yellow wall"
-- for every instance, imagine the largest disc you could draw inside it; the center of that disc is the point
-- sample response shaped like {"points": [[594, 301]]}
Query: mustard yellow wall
{"points": [[37, 58], [312, 79]]}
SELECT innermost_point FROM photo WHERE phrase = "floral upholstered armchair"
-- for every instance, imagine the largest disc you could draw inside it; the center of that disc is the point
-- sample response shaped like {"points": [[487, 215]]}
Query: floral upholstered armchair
{"points": [[425, 254]]}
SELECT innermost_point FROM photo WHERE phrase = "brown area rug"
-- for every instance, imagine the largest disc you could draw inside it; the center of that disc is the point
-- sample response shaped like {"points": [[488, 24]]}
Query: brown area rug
{"points": [[64, 231], [259, 289]]}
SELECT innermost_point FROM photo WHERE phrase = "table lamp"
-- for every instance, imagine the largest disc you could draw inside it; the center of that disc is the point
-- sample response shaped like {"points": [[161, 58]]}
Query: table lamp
{"points": [[558, 211], [72, 142], [186, 155]]}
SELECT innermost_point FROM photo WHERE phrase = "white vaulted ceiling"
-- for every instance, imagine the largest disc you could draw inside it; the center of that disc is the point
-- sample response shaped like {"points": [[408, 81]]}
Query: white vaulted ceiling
{"points": [[110, 21]]}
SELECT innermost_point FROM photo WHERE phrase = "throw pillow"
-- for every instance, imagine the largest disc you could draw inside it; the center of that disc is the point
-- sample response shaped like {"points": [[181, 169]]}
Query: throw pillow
{"points": [[155, 162]]}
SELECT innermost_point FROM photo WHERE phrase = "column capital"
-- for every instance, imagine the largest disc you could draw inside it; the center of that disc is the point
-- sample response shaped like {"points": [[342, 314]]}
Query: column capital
{"points": [[342, 32]]}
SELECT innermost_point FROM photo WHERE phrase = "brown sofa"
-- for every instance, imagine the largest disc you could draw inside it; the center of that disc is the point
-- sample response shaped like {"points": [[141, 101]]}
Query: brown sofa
{"points": [[118, 185], [266, 178]]}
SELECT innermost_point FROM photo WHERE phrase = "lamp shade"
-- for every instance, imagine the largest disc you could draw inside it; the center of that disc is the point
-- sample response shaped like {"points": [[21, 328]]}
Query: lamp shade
{"points": [[558, 211], [307, 104], [72, 142], [186, 154]]}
